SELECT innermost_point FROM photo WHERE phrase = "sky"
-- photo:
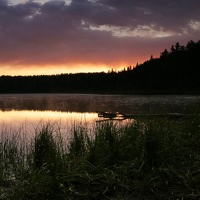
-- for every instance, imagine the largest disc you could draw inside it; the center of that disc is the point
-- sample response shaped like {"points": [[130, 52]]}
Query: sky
{"points": [[69, 36]]}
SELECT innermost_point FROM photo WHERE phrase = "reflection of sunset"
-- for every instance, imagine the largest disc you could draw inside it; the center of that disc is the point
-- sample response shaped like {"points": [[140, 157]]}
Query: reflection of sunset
{"points": [[33, 118]]}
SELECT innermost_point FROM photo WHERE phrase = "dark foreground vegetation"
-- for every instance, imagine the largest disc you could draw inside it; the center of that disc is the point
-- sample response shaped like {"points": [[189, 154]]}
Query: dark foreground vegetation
{"points": [[176, 71], [140, 160]]}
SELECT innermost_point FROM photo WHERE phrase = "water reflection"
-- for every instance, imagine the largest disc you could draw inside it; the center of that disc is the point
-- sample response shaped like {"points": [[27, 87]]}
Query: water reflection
{"points": [[16, 109], [91, 103], [30, 119]]}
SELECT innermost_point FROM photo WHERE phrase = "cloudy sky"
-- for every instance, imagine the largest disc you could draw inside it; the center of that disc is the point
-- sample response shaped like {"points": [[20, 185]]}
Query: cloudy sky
{"points": [[69, 36]]}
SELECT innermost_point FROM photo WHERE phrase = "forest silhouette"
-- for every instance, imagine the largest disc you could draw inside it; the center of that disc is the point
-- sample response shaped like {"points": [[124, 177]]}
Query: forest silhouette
{"points": [[176, 71]]}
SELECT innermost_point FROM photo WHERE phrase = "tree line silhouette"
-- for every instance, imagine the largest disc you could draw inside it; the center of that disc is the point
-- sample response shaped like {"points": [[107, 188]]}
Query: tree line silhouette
{"points": [[176, 71]]}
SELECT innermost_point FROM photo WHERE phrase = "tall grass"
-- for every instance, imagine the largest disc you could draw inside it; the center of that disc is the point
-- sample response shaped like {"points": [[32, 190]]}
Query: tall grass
{"points": [[152, 159]]}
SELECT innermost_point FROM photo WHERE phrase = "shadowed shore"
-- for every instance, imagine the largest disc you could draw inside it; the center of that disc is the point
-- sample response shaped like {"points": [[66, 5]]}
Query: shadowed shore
{"points": [[144, 159]]}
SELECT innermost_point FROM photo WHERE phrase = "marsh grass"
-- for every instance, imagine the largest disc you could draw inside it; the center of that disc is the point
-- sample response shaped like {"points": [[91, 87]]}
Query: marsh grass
{"points": [[145, 159]]}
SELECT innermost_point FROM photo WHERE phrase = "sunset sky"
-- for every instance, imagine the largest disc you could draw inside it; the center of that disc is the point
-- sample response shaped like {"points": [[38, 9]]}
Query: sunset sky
{"points": [[57, 36]]}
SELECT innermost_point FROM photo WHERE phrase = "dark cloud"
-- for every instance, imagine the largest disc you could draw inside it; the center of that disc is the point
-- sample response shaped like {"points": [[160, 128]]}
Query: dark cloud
{"points": [[169, 14], [89, 31], [3, 3]]}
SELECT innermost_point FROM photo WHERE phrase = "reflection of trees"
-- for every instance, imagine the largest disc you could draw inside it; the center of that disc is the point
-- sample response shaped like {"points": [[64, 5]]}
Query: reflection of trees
{"points": [[177, 70], [47, 102], [94, 103], [69, 103]]}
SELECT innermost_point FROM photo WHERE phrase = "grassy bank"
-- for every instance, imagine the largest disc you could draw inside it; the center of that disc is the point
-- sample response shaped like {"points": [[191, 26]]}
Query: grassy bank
{"points": [[158, 159]]}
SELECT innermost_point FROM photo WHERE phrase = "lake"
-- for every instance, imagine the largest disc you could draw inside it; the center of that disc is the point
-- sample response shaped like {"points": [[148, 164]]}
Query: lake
{"points": [[29, 110]]}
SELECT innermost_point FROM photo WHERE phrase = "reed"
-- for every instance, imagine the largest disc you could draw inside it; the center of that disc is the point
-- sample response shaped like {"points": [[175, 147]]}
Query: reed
{"points": [[151, 159]]}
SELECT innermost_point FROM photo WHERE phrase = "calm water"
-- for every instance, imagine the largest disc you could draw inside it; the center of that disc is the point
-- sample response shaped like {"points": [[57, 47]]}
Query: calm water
{"points": [[31, 109]]}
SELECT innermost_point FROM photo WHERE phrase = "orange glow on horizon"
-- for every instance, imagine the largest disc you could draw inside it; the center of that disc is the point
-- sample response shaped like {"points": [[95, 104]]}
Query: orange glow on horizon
{"points": [[60, 69]]}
